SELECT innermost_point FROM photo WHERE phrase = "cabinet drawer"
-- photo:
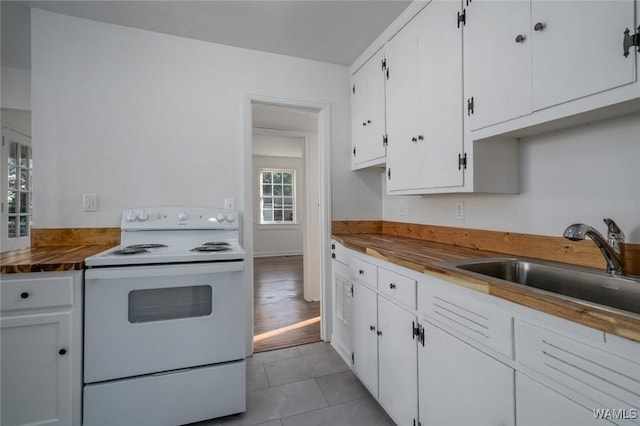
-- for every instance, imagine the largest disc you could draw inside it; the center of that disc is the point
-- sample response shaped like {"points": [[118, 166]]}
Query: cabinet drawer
{"points": [[364, 272], [398, 287], [468, 318], [590, 369], [35, 293]]}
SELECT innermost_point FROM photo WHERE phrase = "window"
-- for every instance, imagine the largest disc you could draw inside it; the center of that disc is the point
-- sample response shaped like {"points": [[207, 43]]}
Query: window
{"points": [[17, 186], [277, 196]]}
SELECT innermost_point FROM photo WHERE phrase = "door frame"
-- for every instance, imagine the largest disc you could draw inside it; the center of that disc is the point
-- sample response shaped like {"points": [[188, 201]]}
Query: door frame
{"points": [[323, 111]]}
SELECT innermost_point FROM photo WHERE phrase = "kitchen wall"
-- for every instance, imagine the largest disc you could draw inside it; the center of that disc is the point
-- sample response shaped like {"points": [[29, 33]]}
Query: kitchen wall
{"points": [[579, 174], [141, 118], [279, 152]]}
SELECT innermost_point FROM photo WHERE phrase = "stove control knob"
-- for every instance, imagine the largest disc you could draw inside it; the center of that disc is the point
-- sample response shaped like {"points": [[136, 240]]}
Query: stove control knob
{"points": [[231, 217], [131, 217], [142, 216], [182, 216], [220, 217]]}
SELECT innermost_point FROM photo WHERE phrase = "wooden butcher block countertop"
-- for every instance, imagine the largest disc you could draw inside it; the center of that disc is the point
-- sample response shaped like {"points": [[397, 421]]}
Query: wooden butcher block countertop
{"points": [[48, 258], [420, 255]]}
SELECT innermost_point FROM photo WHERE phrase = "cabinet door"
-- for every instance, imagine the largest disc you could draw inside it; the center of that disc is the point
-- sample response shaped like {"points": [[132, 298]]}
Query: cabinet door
{"points": [[474, 389], [364, 337], [341, 324], [578, 52], [440, 136], [497, 68], [36, 369], [403, 109], [398, 362], [537, 405], [367, 112]]}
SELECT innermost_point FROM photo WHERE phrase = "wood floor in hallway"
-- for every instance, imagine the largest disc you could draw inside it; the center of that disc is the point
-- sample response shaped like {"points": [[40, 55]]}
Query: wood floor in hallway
{"points": [[282, 317]]}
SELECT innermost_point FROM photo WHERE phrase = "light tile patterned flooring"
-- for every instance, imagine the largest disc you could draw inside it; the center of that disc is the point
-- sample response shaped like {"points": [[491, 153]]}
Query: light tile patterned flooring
{"points": [[307, 385]]}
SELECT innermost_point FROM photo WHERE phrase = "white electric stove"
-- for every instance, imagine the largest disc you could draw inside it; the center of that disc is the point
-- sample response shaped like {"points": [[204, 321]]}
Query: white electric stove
{"points": [[165, 320]]}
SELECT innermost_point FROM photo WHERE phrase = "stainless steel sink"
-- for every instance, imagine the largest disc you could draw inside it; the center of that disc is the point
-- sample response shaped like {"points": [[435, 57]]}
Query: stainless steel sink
{"points": [[569, 282]]}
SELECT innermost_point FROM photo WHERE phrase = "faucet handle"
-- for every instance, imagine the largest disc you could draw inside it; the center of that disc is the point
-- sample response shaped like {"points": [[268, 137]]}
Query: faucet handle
{"points": [[613, 230]]}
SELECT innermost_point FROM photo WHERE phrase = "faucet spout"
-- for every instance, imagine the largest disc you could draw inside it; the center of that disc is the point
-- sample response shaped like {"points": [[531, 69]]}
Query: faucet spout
{"points": [[612, 249]]}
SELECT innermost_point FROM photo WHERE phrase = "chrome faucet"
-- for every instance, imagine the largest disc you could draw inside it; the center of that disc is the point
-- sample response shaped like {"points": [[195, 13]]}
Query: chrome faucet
{"points": [[612, 248]]}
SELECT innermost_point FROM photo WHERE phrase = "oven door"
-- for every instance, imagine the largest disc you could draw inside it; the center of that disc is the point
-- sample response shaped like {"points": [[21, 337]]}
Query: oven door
{"points": [[158, 318]]}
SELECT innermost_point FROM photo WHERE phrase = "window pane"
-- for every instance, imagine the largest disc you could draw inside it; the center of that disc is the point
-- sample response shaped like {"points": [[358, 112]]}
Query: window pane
{"points": [[277, 215], [24, 179], [277, 177], [24, 156], [277, 202], [13, 177], [287, 190], [267, 215], [266, 189], [287, 178], [266, 177], [11, 227], [11, 202], [163, 304], [24, 202], [24, 226], [267, 203], [13, 154], [288, 215], [288, 202], [277, 189]]}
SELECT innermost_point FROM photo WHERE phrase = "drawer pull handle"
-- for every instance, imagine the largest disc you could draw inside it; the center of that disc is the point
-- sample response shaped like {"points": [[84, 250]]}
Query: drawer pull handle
{"points": [[392, 286], [62, 351], [24, 295], [361, 272], [540, 26], [379, 333], [372, 328]]}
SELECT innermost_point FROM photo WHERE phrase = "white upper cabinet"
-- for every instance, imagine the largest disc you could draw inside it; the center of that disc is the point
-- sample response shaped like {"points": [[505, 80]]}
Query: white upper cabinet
{"points": [[577, 49], [497, 57], [531, 64], [367, 114], [424, 102]]}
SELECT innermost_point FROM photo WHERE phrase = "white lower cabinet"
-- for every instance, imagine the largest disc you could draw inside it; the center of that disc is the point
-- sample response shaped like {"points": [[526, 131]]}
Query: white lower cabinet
{"points": [[41, 348], [364, 336], [468, 358], [536, 405], [398, 385], [459, 385]]}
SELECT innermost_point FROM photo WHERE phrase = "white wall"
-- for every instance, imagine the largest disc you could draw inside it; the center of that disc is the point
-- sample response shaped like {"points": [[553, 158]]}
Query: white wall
{"points": [[16, 88], [580, 174], [279, 152], [142, 118]]}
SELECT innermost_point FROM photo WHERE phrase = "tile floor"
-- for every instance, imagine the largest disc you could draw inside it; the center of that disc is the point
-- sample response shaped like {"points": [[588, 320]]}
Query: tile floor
{"points": [[307, 385]]}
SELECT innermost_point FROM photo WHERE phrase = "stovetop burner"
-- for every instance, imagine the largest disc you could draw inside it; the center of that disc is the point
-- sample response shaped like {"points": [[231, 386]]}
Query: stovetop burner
{"points": [[146, 246], [129, 251], [217, 244], [210, 248]]}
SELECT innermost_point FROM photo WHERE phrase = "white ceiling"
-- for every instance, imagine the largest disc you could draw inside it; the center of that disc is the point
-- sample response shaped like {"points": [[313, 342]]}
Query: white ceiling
{"points": [[323, 30]]}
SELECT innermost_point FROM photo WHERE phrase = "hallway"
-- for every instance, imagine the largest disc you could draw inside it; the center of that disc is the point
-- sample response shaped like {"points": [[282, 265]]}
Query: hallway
{"points": [[282, 318]]}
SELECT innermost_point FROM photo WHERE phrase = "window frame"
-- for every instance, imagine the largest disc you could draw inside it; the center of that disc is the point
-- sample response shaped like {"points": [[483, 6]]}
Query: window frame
{"points": [[10, 137], [262, 196]]}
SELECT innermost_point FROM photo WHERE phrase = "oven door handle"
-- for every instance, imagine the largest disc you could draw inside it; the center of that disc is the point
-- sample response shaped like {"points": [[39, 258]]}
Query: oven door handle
{"points": [[162, 270]]}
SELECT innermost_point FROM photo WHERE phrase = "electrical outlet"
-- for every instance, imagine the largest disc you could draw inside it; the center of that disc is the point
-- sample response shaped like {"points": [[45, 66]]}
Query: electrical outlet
{"points": [[89, 202], [460, 210], [228, 203]]}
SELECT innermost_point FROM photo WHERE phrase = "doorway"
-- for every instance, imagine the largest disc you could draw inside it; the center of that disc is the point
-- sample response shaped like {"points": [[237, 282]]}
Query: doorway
{"points": [[286, 222]]}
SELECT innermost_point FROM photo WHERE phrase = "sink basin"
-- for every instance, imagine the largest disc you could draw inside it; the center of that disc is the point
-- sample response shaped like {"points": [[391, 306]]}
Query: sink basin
{"points": [[570, 282]]}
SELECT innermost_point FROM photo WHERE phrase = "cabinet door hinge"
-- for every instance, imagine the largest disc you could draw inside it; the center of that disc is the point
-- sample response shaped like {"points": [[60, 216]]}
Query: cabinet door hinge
{"points": [[385, 140], [470, 106], [351, 290], [415, 330], [384, 64], [462, 17], [389, 173], [353, 358], [630, 40], [354, 151], [421, 334], [462, 161], [353, 89], [387, 73]]}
